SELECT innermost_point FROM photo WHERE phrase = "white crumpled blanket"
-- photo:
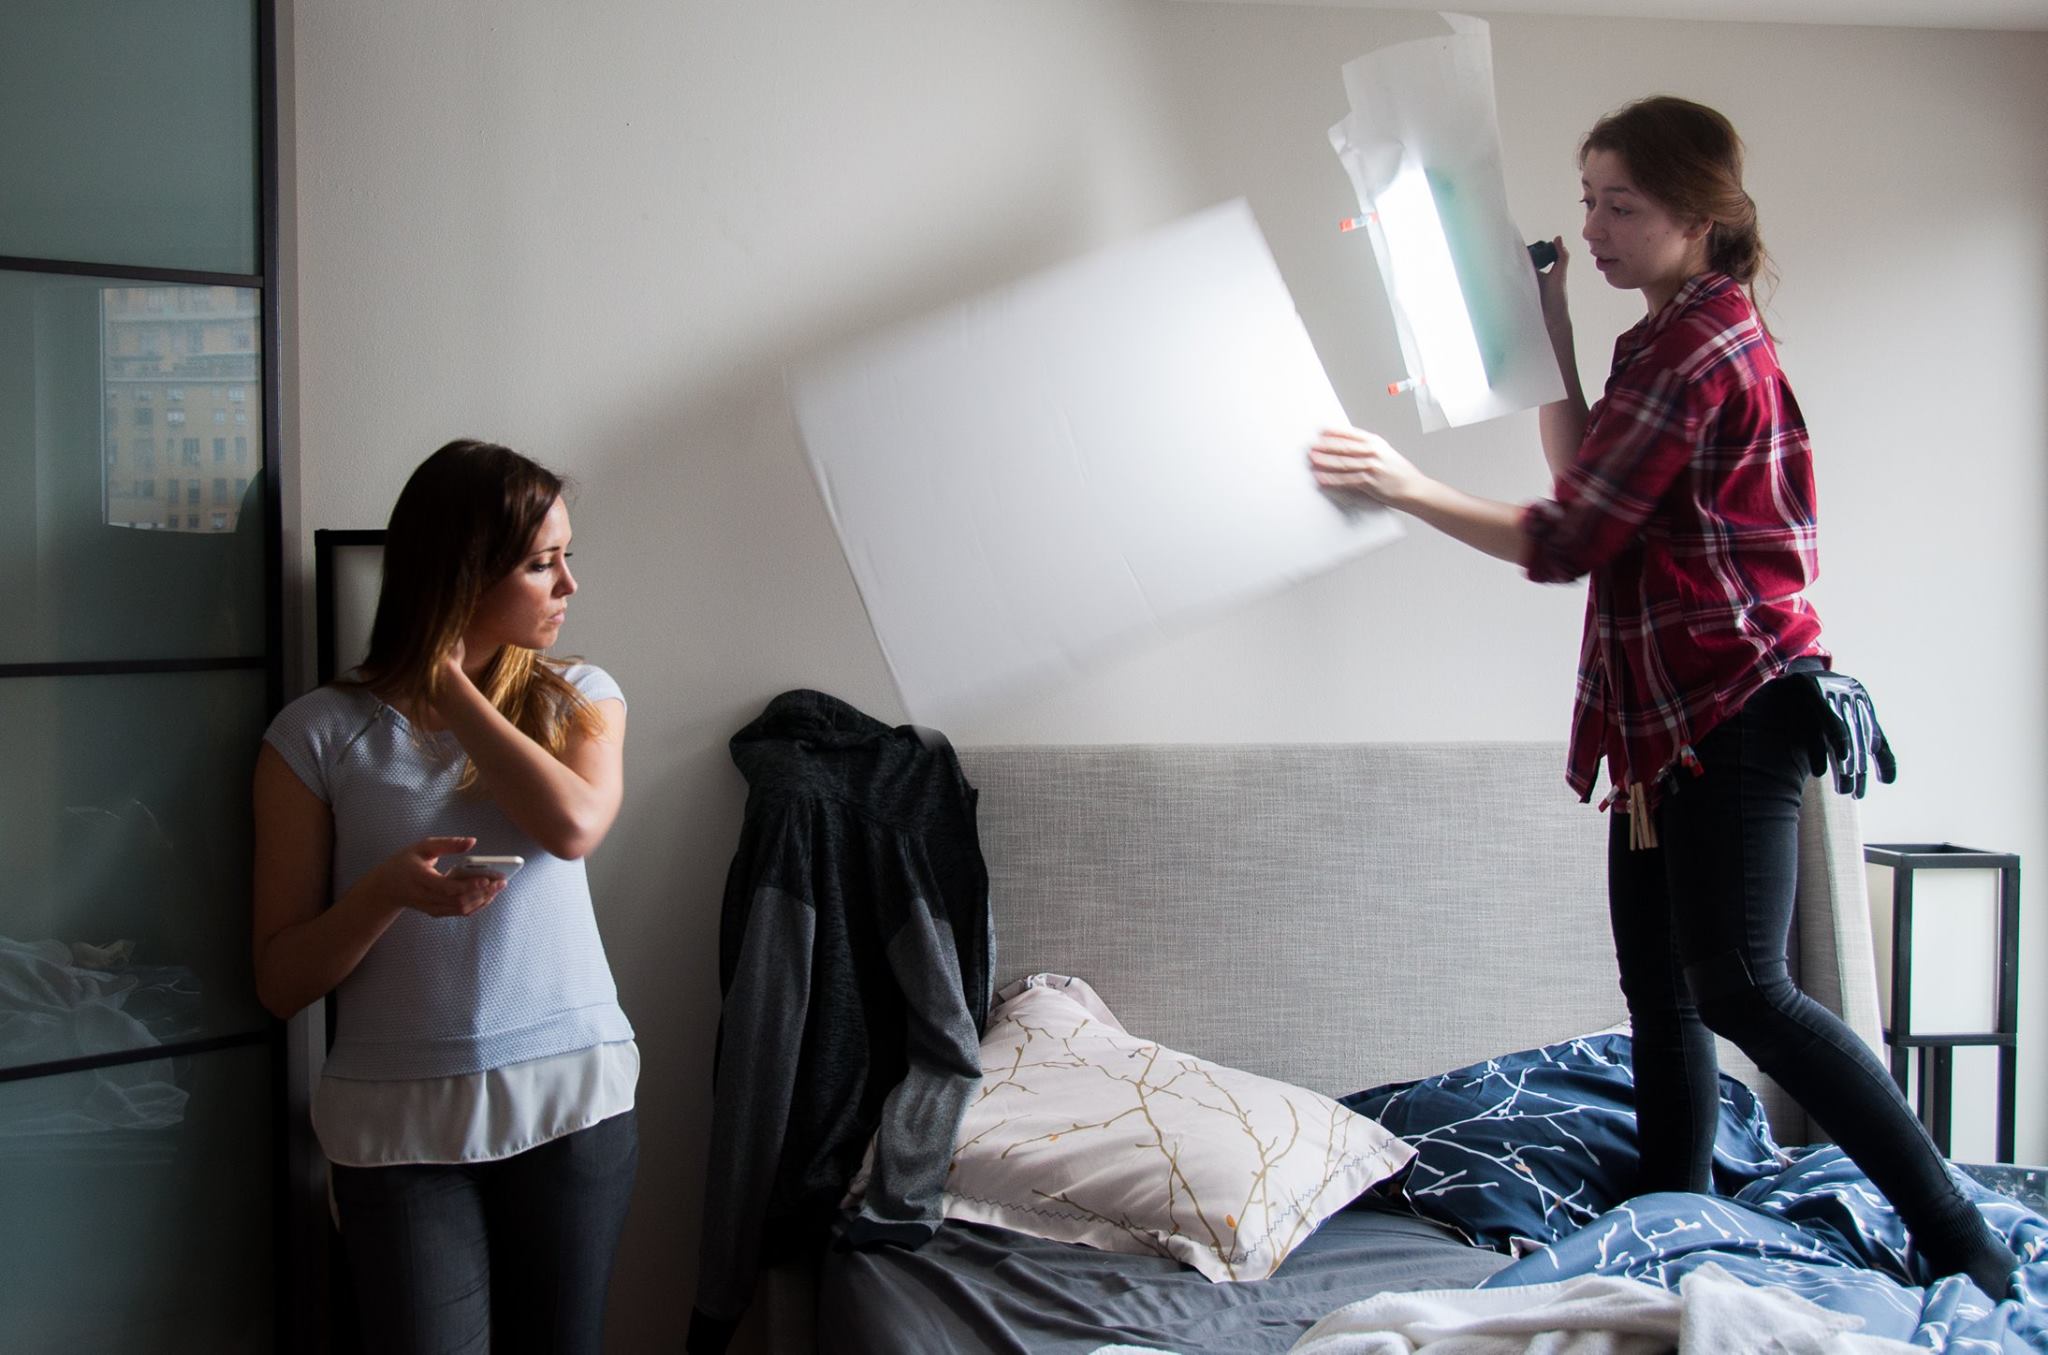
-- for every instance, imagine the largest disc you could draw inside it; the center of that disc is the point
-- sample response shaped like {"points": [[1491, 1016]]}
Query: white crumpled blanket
{"points": [[1713, 1313]]}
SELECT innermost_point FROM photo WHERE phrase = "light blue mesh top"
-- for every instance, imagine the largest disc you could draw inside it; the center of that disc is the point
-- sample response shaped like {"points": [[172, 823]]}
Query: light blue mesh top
{"points": [[521, 979]]}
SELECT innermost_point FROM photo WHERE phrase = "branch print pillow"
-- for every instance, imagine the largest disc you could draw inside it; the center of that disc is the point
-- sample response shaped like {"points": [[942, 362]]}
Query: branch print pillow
{"points": [[1082, 1132]]}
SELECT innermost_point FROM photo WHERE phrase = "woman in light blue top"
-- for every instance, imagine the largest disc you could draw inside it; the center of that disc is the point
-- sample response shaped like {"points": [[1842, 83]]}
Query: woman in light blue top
{"points": [[477, 1105]]}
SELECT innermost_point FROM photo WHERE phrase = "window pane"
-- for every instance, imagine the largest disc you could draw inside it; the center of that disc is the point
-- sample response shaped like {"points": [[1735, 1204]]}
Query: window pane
{"points": [[139, 1208], [131, 133], [124, 917], [99, 381]]}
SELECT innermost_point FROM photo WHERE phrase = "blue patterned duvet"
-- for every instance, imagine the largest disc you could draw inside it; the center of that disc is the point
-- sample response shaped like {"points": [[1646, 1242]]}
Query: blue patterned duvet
{"points": [[1818, 1227], [1534, 1154]]}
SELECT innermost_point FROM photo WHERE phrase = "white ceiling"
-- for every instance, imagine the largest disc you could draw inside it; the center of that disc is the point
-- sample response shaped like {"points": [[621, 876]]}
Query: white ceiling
{"points": [[2000, 14]]}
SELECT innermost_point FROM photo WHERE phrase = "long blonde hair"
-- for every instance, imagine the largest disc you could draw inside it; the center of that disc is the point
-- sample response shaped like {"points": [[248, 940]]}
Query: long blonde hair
{"points": [[464, 521]]}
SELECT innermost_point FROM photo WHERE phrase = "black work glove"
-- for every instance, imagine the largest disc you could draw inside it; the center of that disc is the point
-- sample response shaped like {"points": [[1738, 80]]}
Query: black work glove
{"points": [[1846, 733]]}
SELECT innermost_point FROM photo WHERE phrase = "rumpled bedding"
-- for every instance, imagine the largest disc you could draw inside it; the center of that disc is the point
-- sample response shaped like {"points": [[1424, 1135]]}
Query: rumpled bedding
{"points": [[1819, 1229], [61, 1000], [1811, 1256], [1596, 1315]]}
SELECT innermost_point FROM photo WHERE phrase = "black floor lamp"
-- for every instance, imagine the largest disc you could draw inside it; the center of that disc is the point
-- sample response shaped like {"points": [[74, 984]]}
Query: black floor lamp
{"points": [[1946, 922]]}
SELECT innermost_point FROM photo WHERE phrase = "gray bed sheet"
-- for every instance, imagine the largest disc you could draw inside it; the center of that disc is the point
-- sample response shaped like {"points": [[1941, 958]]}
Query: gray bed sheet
{"points": [[975, 1288]]}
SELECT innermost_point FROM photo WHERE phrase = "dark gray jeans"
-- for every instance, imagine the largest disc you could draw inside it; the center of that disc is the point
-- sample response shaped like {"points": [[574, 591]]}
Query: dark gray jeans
{"points": [[490, 1257], [1701, 923]]}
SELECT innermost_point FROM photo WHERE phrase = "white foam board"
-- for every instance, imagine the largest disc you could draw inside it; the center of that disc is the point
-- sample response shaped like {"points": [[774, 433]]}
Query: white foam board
{"points": [[1110, 450]]}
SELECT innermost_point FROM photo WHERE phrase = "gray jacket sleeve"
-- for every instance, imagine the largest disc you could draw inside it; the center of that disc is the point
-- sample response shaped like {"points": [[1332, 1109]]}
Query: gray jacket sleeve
{"points": [[921, 1117]]}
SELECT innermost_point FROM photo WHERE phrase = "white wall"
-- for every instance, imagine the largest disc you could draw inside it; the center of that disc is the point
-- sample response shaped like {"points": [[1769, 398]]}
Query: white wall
{"points": [[598, 232]]}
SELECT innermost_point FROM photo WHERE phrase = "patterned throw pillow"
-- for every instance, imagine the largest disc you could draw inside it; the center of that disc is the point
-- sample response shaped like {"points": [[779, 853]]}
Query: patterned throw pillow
{"points": [[1516, 1152], [1082, 1132]]}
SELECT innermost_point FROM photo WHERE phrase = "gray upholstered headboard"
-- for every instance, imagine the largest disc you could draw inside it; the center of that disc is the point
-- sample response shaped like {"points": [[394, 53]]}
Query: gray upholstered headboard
{"points": [[1342, 915]]}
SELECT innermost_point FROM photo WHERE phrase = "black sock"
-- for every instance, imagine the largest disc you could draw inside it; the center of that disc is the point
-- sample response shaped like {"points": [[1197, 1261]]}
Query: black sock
{"points": [[1993, 1269], [1977, 1253]]}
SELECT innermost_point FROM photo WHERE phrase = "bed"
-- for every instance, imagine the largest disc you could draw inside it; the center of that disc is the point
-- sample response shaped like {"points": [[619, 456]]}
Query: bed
{"points": [[1338, 918]]}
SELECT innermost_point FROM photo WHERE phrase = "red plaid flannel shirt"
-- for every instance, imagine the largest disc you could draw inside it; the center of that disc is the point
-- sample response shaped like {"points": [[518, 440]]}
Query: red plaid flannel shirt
{"points": [[1691, 505]]}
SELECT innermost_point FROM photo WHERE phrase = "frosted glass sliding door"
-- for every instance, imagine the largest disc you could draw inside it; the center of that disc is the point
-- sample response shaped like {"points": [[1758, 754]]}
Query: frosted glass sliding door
{"points": [[141, 1123]]}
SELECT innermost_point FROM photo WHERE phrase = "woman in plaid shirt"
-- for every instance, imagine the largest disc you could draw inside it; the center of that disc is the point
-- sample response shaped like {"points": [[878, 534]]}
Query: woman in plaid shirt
{"points": [[1685, 496]]}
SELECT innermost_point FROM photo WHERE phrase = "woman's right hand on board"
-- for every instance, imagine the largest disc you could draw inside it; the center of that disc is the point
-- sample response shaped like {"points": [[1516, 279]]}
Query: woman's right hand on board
{"points": [[408, 879]]}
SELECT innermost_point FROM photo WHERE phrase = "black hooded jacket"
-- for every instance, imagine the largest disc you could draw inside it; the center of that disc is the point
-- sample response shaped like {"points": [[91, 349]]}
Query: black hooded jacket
{"points": [[855, 960]]}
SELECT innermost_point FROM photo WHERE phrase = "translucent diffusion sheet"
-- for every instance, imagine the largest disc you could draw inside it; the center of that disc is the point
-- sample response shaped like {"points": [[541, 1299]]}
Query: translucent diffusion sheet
{"points": [[1422, 148], [1100, 454]]}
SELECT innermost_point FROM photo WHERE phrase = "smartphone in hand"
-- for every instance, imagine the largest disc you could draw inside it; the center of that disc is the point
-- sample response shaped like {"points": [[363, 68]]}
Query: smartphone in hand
{"points": [[464, 864]]}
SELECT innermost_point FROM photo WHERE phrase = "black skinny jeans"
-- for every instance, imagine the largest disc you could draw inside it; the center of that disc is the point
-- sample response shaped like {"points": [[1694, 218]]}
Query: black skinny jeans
{"points": [[510, 1257], [1700, 928]]}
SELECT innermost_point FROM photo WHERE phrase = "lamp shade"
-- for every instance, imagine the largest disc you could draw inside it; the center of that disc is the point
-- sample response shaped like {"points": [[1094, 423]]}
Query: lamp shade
{"points": [[1942, 935]]}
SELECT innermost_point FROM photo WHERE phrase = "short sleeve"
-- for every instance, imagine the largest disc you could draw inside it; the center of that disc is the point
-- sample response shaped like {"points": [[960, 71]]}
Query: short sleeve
{"points": [[593, 683], [302, 734]]}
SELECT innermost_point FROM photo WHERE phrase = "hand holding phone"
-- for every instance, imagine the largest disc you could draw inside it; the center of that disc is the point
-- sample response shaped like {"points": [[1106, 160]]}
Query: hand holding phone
{"points": [[464, 865]]}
